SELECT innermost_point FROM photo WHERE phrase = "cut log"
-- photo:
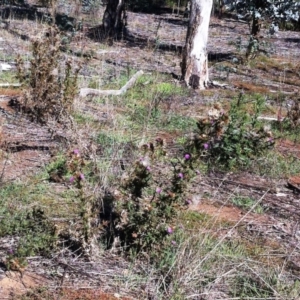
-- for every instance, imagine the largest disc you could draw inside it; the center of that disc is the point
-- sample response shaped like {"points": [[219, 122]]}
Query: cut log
{"points": [[10, 84], [5, 67], [87, 91], [268, 118]]}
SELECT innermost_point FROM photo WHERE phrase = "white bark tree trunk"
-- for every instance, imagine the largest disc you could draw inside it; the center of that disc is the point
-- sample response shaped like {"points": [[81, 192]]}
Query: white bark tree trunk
{"points": [[194, 63]]}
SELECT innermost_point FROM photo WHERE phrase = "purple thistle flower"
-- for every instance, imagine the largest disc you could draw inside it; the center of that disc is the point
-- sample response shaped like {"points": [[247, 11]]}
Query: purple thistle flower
{"points": [[173, 243], [72, 178], [169, 230], [206, 146], [188, 201], [148, 169], [180, 175], [76, 151], [158, 190], [187, 156], [81, 176]]}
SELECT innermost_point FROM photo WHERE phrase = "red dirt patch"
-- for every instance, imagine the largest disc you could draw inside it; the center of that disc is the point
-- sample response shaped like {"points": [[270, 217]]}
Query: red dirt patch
{"points": [[10, 92], [88, 294], [25, 146], [70, 294], [294, 182], [4, 100], [22, 163], [14, 284], [228, 213], [288, 147]]}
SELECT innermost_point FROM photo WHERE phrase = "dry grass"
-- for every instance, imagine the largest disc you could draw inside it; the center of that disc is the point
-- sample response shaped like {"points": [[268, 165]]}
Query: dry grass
{"points": [[252, 88]]}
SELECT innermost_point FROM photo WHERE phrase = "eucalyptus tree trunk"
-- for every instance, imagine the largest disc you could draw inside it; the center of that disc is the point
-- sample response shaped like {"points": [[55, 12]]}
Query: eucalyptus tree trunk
{"points": [[113, 18], [194, 64]]}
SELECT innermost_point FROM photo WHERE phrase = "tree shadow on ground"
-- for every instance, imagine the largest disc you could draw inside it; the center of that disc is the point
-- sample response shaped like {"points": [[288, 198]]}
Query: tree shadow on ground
{"points": [[152, 9], [63, 21], [142, 42], [222, 26], [220, 56], [29, 13], [133, 40], [177, 22], [292, 40]]}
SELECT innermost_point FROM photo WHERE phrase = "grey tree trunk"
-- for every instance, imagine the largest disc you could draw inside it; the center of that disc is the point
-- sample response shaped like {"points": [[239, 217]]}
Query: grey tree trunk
{"points": [[113, 18], [194, 63]]}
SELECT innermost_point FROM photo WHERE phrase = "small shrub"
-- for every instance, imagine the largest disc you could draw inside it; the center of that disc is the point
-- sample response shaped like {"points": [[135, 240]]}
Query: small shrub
{"points": [[36, 233], [51, 89], [256, 47], [149, 198], [232, 139], [57, 169]]}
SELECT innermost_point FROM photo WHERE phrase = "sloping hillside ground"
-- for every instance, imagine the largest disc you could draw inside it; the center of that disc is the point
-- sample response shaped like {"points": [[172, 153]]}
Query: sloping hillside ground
{"points": [[242, 226]]}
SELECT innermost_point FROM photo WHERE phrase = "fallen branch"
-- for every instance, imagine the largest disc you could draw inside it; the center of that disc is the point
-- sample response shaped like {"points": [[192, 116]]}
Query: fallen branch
{"points": [[5, 67], [268, 118], [217, 84], [87, 91], [107, 52], [10, 84]]}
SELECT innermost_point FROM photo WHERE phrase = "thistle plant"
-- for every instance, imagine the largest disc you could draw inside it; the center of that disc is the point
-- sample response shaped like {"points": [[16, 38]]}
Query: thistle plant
{"points": [[232, 139], [71, 170], [149, 198], [75, 165]]}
